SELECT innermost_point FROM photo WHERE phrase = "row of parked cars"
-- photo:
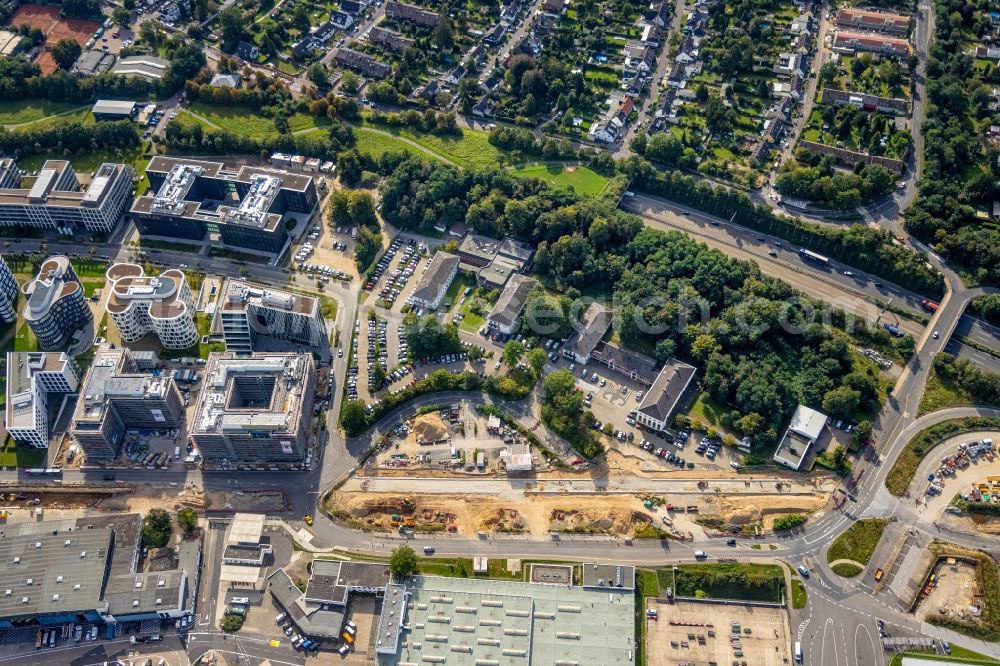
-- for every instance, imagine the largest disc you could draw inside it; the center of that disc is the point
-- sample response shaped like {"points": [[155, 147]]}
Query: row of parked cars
{"points": [[377, 332]]}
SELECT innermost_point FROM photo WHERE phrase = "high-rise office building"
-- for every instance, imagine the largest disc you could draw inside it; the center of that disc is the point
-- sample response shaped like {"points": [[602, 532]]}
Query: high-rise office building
{"points": [[34, 379], [248, 311], [8, 293], [56, 307], [140, 303]]}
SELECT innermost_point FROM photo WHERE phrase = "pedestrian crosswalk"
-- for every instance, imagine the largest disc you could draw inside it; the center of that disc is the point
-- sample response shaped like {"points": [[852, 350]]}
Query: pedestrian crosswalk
{"points": [[875, 510]]}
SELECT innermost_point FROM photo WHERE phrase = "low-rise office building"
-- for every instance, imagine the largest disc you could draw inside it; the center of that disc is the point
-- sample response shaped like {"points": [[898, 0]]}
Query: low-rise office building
{"points": [[140, 304], [434, 283], [587, 333], [112, 109], [9, 290], [115, 397], [660, 400], [147, 67], [56, 307], [803, 431], [250, 208], [505, 316], [248, 312], [255, 410], [34, 381], [54, 200]]}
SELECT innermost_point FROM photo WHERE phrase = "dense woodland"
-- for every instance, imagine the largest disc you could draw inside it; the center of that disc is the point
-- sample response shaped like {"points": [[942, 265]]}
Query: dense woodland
{"points": [[961, 170], [664, 279]]}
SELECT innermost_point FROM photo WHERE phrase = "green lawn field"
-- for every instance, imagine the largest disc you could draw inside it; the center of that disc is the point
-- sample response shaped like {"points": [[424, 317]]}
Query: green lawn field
{"points": [[31, 110], [579, 178]]}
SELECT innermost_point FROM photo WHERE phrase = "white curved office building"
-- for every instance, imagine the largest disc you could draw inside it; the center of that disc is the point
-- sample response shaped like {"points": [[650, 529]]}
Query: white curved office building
{"points": [[56, 307], [141, 303]]}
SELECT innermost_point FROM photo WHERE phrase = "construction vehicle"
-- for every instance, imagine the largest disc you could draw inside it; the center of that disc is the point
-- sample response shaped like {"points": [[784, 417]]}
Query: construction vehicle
{"points": [[307, 519], [878, 574]]}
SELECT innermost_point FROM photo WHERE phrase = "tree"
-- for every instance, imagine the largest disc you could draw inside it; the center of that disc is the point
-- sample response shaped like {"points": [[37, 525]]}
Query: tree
{"points": [[232, 23], [403, 562], [349, 167], [65, 52], [841, 401], [556, 384], [121, 16], [536, 359], [701, 93], [187, 520], [354, 418], [361, 207], [156, 529], [232, 623], [81, 8], [512, 353], [443, 36], [149, 32], [318, 76], [350, 83]]}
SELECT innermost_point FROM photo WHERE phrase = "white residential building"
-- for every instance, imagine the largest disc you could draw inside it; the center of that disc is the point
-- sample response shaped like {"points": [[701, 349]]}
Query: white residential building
{"points": [[163, 304], [31, 377]]}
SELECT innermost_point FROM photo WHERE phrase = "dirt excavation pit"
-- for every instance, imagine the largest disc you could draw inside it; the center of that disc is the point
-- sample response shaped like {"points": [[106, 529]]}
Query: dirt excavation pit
{"points": [[52, 498], [623, 516], [954, 592], [762, 509]]}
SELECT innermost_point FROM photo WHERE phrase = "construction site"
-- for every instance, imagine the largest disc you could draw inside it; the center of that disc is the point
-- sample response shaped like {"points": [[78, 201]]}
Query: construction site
{"points": [[952, 590], [571, 503]]}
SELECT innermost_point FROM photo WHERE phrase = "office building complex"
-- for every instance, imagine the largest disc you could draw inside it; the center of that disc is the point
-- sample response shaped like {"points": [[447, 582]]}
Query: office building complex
{"points": [[33, 378], [248, 208], [255, 410], [56, 307], [86, 571], [55, 199], [116, 397], [163, 304], [8, 293], [434, 283], [247, 312]]}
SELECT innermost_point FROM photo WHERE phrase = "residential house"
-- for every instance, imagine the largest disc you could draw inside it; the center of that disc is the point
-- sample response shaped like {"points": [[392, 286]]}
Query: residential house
{"points": [[400, 11], [696, 23], [788, 64], [677, 76], [687, 52], [248, 51], [428, 92], [852, 42], [341, 20], [609, 128], [987, 53], [865, 101], [658, 13], [350, 6], [493, 81], [495, 36], [455, 75], [639, 58], [651, 35], [170, 13], [510, 11], [553, 7], [389, 39], [865, 19], [484, 108], [362, 63], [227, 80]]}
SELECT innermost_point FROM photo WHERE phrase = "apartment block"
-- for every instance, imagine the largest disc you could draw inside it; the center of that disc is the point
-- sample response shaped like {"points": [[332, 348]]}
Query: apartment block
{"points": [[8, 293], [248, 312], [56, 307], [34, 381], [55, 199], [162, 304], [249, 208], [115, 397], [256, 410]]}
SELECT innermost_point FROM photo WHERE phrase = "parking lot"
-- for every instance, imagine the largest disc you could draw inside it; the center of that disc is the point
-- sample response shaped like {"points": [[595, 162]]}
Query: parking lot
{"points": [[703, 633]]}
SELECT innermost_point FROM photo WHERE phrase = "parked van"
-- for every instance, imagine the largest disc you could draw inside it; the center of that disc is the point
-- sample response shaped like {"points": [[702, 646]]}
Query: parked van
{"points": [[240, 600], [700, 554], [798, 652], [177, 453]]}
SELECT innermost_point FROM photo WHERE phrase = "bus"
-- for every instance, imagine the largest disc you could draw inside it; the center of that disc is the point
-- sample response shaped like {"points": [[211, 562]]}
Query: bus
{"points": [[809, 255], [48, 471]]}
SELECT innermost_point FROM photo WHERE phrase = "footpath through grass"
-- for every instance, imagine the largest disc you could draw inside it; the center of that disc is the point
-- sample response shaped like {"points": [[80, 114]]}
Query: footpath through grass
{"points": [[31, 110], [471, 149], [901, 474], [858, 542]]}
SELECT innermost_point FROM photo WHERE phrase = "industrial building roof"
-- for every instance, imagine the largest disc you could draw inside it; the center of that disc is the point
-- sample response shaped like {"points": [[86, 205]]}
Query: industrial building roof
{"points": [[113, 107], [478, 621], [609, 575], [52, 573]]}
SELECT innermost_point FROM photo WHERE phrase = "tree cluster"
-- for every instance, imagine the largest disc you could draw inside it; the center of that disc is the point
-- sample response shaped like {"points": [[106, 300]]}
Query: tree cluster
{"points": [[427, 337], [831, 188], [961, 171], [156, 529], [983, 386], [194, 138], [69, 138], [562, 411]]}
